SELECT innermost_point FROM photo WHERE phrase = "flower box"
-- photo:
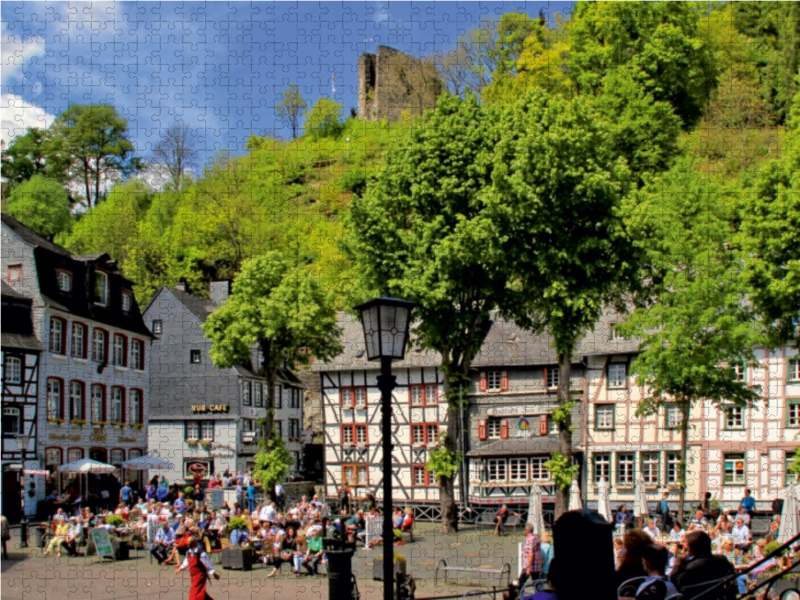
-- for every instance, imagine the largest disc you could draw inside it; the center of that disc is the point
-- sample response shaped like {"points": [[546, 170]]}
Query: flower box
{"points": [[79, 422], [56, 422]]}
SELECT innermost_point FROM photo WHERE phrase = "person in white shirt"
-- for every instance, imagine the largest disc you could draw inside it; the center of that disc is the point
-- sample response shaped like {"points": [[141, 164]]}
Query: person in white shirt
{"points": [[742, 514], [740, 533], [200, 569], [73, 535], [652, 531], [268, 513], [677, 534]]}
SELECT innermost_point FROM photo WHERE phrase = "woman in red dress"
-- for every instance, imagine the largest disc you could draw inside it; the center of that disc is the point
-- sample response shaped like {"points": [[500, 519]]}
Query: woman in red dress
{"points": [[200, 569]]}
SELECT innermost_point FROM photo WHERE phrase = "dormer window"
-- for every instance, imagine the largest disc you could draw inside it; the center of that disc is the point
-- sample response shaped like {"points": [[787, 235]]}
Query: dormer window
{"points": [[127, 301], [101, 288], [64, 280]]}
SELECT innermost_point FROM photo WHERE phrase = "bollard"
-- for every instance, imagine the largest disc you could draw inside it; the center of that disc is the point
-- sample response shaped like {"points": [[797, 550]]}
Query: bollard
{"points": [[23, 533]]}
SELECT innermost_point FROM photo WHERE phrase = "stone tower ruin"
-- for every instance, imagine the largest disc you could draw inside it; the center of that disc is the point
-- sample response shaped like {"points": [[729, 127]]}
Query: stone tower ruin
{"points": [[390, 82]]}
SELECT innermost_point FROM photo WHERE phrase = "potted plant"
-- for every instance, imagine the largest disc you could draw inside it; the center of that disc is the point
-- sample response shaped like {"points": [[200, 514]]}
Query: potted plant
{"points": [[235, 556], [206, 444], [79, 422], [115, 520], [188, 490], [399, 566], [56, 422], [192, 443]]}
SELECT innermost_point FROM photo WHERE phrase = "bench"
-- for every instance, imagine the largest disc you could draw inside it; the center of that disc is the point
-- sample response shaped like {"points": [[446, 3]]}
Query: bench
{"points": [[485, 520], [512, 522], [505, 569]]}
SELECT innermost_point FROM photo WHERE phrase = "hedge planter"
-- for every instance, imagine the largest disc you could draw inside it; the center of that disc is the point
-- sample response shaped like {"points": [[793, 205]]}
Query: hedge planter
{"points": [[237, 558]]}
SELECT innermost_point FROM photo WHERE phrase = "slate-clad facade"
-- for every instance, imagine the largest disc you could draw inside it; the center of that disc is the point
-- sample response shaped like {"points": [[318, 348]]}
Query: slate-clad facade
{"points": [[93, 382], [200, 414]]}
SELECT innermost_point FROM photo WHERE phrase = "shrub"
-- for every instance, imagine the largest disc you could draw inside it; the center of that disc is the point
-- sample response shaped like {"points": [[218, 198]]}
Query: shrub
{"points": [[115, 520], [354, 180], [237, 523]]}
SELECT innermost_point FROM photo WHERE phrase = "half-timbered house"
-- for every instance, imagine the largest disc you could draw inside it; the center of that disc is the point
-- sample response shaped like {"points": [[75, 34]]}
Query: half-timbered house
{"points": [[21, 351]]}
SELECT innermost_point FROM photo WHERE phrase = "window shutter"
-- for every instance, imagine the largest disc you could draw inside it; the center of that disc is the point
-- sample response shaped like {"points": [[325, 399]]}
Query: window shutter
{"points": [[482, 429], [504, 429], [484, 382], [543, 425], [503, 381]]}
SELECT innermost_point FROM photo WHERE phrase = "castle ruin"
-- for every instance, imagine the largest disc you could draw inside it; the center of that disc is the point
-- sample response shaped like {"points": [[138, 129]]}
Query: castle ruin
{"points": [[391, 82]]}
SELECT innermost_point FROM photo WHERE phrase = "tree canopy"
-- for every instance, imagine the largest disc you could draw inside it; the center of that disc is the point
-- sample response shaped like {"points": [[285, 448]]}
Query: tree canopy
{"points": [[41, 204]]}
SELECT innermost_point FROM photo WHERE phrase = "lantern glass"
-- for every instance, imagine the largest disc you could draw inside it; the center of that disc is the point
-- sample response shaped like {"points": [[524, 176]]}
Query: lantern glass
{"points": [[386, 322]]}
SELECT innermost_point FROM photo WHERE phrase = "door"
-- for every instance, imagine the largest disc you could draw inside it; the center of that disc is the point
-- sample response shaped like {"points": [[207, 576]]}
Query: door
{"points": [[11, 500]]}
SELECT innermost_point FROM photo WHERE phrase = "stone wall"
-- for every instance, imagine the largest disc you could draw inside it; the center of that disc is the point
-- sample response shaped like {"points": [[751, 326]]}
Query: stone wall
{"points": [[392, 82]]}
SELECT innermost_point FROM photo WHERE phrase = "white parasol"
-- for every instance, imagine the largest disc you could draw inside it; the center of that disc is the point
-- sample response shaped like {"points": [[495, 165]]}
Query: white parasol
{"points": [[87, 465], [535, 516], [144, 463], [602, 500], [789, 525], [640, 499], [575, 496]]}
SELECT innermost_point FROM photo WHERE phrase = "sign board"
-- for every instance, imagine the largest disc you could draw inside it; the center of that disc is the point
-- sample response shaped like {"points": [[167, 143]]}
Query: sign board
{"points": [[215, 497], [102, 543], [215, 408], [35, 472]]}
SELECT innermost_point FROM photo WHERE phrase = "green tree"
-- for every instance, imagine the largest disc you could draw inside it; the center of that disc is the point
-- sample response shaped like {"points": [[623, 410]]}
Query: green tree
{"points": [[95, 135], [282, 310], [323, 120], [421, 233], [37, 152], [176, 152], [557, 186], [658, 42], [272, 462], [694, 321], [291, 109], [41, 204]]}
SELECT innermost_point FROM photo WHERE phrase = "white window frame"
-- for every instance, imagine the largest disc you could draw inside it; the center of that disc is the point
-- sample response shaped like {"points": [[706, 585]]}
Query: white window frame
{"points": [[793, 412], [117, 454], [673, 470], [136, 355], [134, 407], [56, 336], [493, 381], [158, 326], [496, 470], [96, 403], [12, 411], [626, 469], [673, 416], [76, 400], [518, 469], [608, 414], [538, 471], [77, 344], [734, 417], [247, 399], [737, 478], [207, 430], [192, 430], [195, 356], [127, 301], [117, 405], [553, 378], [99, 341], [119, 350], [12, 372], [64, 280], [614, 379], [739, 372], [417, 439], [74, 454], [102, 298], [54, 392], [793, 369], [493, 425], [258, 394], [601, 464], [650, 467]]}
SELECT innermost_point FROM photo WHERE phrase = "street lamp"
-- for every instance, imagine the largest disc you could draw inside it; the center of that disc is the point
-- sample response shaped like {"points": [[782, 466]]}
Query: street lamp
{"points": [[386, 322], [23, 441]]}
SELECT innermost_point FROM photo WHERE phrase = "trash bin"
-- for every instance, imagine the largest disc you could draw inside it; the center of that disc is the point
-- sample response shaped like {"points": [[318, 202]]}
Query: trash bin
{"points": [[340, 574], [38, 536]]}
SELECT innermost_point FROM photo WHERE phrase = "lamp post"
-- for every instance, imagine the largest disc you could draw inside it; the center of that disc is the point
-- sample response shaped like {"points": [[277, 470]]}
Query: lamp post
{"points": [[23, 440], [386, 322]]}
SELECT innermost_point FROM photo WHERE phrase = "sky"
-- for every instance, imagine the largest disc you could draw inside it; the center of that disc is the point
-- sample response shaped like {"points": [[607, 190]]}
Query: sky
{"points": [[218, 67]]}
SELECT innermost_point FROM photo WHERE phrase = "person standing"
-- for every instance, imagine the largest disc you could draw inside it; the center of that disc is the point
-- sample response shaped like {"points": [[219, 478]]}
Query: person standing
{"points": [[748, 503], [251, 496], [200, 570], [663, 511], [344, 500], [5, 535], [531, 556], [280, 497], [125, 494]]}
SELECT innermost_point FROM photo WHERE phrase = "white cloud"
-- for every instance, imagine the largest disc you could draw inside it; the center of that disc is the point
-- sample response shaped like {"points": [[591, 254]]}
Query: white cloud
{"points": [[381, 13], [15, 52], [18, 116]]}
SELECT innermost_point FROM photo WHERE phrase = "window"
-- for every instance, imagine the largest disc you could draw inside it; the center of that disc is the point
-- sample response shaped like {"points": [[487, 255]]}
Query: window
{"points": [[354, 475], [617, 375], [418, 475], [278, 397], [424, 433], [552, 377], [294, 398], [127, 301], [117, 405], [157, 326], [734, 468], [246, 393], [207, 430], [431, 433], [739, 372], [538, 471], [136, 408], [12, 371], [422, 394], [294, 430], [417, 434], [14, 273], [604, 417], [417, 395], [673, 467], [518, 469], [192, 430], [54, 399], [120, 350], [353, 397], [98, 404], [99, 342], [493, 429], [64, 279], [117, 458], [278, 428], [258, 393], [133, 453], [615, 335], [673, 416], [793, 368], [74, 454], [76, 401], [625, 469], [602, 467], [734, 417], [493, 381], [56, 335], [12, 422], [789, 461], [101, 288], [496, 469], [194, 357], [78, 340], [52, 458], [137, 354], [650, 468], [793, 412]]}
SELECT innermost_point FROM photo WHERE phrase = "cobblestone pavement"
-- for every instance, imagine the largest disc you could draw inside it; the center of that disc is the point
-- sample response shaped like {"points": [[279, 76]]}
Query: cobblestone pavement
{"points": [[26, 576]]}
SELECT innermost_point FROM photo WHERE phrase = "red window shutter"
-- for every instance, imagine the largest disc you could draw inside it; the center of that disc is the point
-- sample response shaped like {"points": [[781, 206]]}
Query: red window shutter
{"points": [[482, 429], [543, 425], [503, 381], [504, 429], [484, 382]]}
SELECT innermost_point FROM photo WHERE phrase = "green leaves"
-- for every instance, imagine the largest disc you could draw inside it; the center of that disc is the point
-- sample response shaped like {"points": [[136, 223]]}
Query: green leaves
{"points": [[41, 204], [272, 462], [323, 120]]}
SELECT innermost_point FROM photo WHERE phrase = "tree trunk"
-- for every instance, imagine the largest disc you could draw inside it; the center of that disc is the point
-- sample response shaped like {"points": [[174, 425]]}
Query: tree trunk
{"points": [[682, 471], [97, 183], [447, 497], [269, 371], [564, 433]]}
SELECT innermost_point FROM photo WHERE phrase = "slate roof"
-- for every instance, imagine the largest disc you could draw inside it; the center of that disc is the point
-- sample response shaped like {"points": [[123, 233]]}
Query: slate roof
{"points": [[200, 307], [506, 345], [16, 329], [517, 446], [10, 292], [30, 236]]}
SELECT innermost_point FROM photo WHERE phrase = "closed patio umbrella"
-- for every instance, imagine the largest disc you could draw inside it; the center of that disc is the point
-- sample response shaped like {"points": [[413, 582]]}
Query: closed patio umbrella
{"points": [[789, 524], [602, 500], [535, 516], [640, 507], [575, 496]]}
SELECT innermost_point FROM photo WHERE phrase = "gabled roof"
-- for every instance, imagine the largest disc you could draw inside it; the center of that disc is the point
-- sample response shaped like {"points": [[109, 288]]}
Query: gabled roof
{"points": [[30, 236], [513, 446], [17, 322], [197, 305]]}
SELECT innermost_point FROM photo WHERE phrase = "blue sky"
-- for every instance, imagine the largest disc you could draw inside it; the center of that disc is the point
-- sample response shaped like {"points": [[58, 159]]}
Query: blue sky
{"points": [[219, 67]]}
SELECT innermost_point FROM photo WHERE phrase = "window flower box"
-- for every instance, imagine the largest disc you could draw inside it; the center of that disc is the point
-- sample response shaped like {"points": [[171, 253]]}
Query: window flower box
{"points": [[192, 443], [120, 425], [56, 422], [206, 444], [101, 424], [78, 422], [136, 426]]}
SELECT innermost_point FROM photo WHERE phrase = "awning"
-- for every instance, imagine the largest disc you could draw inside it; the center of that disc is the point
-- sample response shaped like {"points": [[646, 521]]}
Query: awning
{"points": [[513, 446]]}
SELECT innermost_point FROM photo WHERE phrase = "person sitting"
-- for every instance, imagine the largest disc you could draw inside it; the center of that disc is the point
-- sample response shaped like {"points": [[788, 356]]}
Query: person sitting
{"points": [[60, 535], [239, 536], [698, 566], [741, 533], [73, 536], [500, 518], [656, 586], [630, 564], [314, 554], [652, 531], [699, 520], [356, 525], [162, 545], [408, 520], [677, 534], [624, 518]]}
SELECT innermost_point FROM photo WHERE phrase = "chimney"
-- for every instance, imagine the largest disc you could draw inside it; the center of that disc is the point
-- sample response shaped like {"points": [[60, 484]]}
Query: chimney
{"points": [[220, 290], [181, 286]]}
